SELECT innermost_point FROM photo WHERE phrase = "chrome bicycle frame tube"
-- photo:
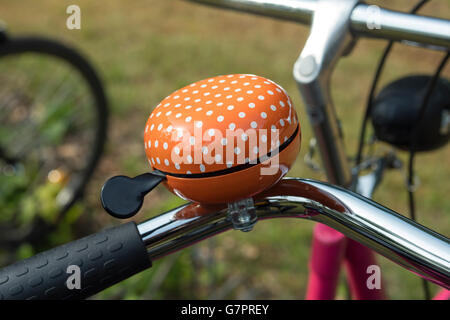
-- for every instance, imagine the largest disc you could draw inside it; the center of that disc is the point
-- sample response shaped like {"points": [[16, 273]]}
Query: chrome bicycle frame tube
{"points": [[365, 20], [399, 239], [329, 38]]}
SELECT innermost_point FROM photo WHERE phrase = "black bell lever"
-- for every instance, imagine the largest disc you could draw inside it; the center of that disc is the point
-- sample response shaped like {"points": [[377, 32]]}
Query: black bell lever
{"points": [[122, 197]]}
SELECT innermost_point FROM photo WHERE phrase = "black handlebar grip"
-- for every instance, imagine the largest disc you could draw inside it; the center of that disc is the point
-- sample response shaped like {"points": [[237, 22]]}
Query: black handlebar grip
{"points": [[104, 259]]}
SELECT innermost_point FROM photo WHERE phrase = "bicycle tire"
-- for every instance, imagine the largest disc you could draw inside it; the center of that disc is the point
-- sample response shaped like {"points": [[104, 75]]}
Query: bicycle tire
{"points": [[75, 60]]}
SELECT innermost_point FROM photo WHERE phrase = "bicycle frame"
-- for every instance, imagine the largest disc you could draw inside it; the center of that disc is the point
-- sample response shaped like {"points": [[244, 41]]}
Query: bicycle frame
{"points": [[334, 28]]}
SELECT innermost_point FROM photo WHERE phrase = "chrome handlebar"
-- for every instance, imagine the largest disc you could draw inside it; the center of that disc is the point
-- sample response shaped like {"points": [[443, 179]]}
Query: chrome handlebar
{"points": [[399, 239], [365, 20]]}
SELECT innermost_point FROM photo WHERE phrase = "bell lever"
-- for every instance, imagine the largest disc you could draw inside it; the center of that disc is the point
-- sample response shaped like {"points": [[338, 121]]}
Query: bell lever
{"points": [[122, 197]]}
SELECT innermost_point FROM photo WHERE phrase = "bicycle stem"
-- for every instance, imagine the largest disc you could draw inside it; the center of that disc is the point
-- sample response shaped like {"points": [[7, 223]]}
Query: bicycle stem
{"points": [[413, 246]]}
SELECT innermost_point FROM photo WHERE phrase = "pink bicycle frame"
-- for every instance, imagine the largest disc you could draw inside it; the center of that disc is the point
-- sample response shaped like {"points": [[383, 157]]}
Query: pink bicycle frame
{"points": [[330, 249]]}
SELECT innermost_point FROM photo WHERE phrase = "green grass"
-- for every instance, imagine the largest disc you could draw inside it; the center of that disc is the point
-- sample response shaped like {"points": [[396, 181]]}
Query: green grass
{"points": [[145, 49]]}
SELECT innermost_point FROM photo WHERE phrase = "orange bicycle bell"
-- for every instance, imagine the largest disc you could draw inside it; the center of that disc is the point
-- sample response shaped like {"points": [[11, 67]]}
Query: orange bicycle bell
{"points": [[218, 140]]}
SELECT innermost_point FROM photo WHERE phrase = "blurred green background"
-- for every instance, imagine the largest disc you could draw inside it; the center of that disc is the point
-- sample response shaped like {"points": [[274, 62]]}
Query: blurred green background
{"points": [[144, 50]]}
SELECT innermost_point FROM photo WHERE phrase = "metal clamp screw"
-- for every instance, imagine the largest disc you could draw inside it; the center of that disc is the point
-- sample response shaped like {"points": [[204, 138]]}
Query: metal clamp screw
{"points": [[242, 214]]}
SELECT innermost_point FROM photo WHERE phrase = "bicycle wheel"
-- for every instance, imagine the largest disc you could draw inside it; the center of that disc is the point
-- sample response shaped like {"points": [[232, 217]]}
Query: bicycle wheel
{"points": [[53, 121]]}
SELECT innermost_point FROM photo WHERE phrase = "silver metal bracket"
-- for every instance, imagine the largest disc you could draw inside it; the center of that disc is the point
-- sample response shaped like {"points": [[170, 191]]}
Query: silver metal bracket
{"points": [[309, 156], [242, 214]]}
